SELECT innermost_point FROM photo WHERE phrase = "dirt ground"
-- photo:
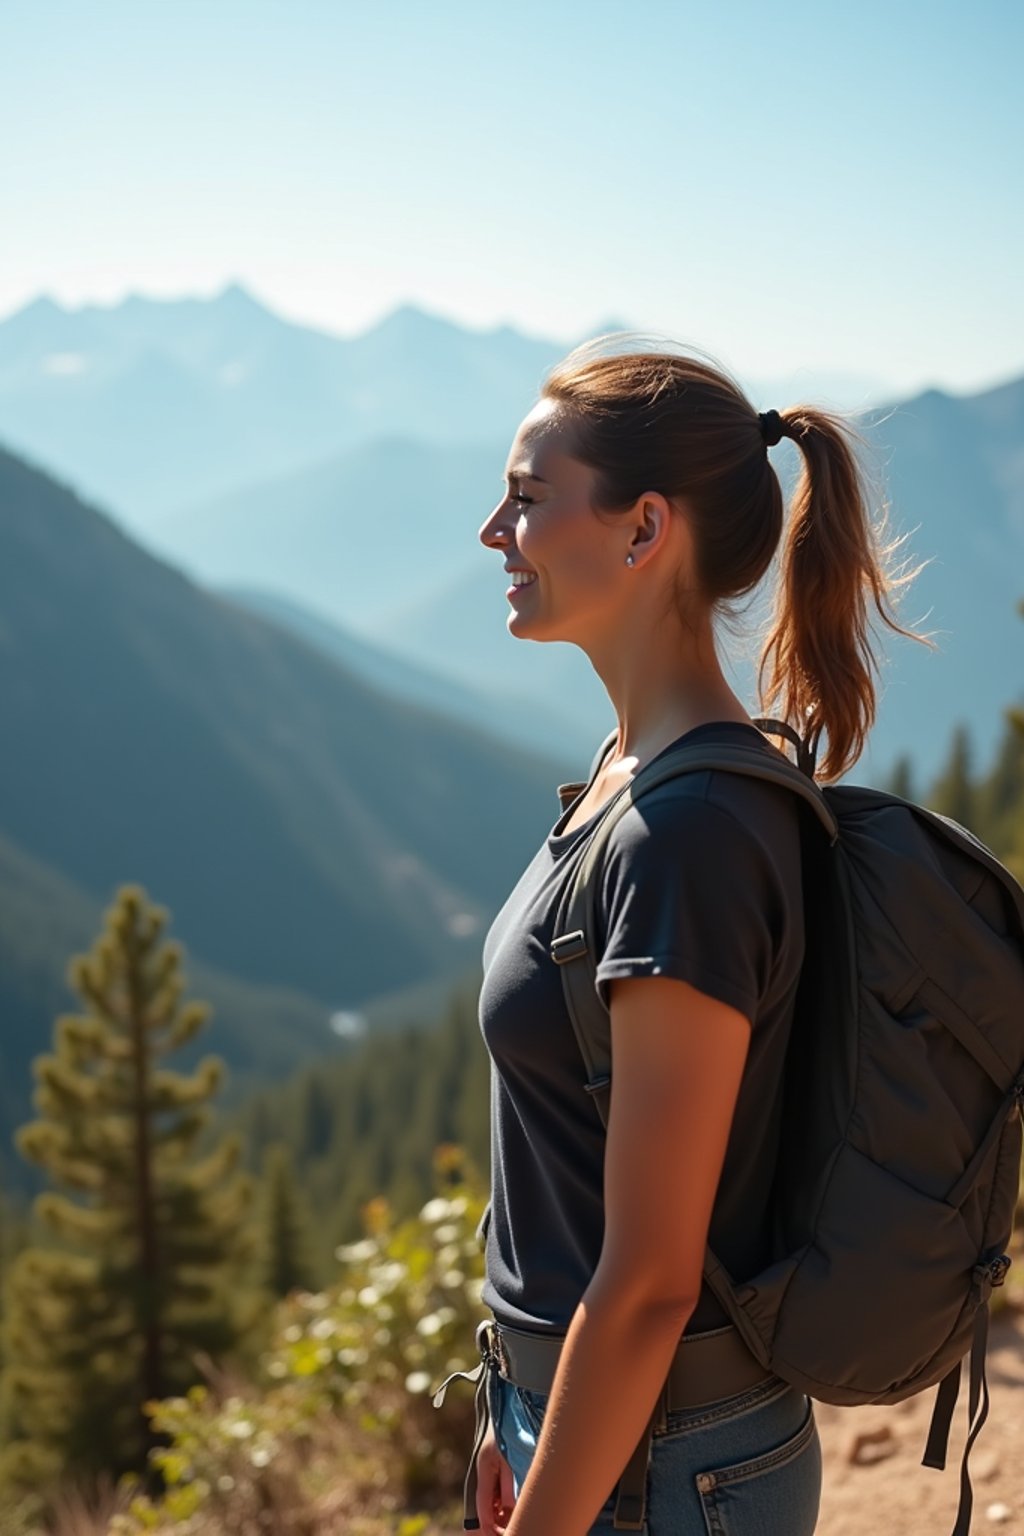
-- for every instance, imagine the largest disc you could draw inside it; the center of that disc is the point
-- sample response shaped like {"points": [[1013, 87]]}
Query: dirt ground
{"points": [[874, 1481]]}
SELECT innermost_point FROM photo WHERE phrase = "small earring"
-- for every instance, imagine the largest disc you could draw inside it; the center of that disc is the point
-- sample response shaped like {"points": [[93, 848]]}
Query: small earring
{"points": [[629, 559]]}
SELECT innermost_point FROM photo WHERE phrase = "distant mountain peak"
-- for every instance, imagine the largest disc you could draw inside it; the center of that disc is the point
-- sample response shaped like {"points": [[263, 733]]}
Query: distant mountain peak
{"points": [[239, 297], [42, 304], [409, 319]]}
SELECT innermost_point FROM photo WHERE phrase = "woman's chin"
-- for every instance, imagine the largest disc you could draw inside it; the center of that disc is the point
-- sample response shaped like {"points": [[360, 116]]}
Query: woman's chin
{"points": [[523, 628], [517, 623]]}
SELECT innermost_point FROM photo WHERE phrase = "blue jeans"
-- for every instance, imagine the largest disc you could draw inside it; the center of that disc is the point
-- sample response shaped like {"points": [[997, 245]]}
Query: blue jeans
{"points": [[747, 1465]]}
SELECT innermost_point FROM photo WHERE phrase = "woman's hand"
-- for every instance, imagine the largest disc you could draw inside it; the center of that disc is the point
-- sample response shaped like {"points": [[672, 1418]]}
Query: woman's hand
{"points": [[495, 1496]]}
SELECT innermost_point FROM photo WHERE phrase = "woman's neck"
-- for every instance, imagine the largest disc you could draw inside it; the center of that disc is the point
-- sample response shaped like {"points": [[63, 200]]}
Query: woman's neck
{"points": [[660, 686]]}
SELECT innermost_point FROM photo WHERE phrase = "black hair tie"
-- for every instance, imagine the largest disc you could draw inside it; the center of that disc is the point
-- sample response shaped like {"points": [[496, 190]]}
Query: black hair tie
{"points": [[773, 428]]}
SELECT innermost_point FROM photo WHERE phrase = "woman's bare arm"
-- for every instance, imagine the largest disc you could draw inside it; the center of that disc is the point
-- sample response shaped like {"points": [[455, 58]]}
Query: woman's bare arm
{"points": [[678, 1057]]}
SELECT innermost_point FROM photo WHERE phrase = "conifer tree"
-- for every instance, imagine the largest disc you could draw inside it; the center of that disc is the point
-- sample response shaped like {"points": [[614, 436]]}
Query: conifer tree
{"points": [[150, 1234], [954, 792], [1014, 825], [902, 779], [286, 1261]]}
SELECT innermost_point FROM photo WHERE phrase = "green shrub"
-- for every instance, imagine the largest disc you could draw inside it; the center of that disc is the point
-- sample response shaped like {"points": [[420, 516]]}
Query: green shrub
{"points": [[340, 1424]]}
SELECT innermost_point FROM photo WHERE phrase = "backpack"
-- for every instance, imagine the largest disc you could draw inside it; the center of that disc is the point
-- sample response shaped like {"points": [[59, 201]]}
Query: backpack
{"points": [[899, 1168]]}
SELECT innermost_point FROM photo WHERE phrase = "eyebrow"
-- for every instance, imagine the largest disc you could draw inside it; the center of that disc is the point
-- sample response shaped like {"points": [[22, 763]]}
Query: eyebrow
{"points": [[524, 474]]}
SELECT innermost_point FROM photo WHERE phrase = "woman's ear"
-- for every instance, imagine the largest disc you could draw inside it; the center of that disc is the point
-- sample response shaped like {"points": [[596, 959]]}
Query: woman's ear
{"points": [[650, 525]]}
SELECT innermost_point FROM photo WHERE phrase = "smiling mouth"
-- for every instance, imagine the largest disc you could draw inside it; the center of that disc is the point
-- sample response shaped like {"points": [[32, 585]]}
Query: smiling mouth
{"points": [[520, 579]]}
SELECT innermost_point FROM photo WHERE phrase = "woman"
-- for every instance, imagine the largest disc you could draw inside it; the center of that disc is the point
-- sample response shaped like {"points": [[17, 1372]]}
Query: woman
{"points": [[640, 504]]}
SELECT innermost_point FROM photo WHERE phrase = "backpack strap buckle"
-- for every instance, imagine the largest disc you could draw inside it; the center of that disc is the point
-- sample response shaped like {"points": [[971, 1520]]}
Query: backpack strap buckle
{"points": [[990, 1273], [569, 946]]}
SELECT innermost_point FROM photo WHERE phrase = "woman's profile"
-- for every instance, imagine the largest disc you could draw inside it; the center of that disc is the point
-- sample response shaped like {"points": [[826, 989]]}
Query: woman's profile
{"points": [[640, 505]]}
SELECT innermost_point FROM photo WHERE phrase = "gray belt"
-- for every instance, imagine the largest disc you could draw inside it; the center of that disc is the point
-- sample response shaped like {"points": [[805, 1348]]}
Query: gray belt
{"points": [[705, 1367]]}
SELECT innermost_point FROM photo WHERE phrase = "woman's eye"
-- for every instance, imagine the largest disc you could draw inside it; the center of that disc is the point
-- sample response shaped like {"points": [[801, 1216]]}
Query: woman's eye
{"points": [[523, 500]]}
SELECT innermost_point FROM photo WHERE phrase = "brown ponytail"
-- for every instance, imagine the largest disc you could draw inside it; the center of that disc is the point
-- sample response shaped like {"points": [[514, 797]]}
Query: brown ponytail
{"points": [[818, 655], [666, 420]]}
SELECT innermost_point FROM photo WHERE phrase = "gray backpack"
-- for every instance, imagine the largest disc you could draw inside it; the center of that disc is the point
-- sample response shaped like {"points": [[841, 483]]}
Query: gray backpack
{"points": [[899, 1171]]}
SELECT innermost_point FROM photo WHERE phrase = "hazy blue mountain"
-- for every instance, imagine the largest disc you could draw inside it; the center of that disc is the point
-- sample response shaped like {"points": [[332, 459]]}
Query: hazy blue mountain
{"points": [[371, 530], [954, 469], [522, 720], [388, 532], [149, 405], [305, 831]]}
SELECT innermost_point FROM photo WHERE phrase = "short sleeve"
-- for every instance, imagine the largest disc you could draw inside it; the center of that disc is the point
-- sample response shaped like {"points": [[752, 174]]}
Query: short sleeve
{"points": [[689, 891]]}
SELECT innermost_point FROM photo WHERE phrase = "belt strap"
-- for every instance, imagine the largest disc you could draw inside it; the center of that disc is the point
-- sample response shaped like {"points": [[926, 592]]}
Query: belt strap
{"points": [[706, 1367]]}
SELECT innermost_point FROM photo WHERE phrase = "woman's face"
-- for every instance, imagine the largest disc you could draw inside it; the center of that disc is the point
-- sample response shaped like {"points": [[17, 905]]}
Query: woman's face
{"points": [[573, 562]]}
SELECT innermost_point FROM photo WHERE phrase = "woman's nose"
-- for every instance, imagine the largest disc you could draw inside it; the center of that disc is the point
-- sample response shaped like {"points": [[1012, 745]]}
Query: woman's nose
{"points": [[495, 532]]}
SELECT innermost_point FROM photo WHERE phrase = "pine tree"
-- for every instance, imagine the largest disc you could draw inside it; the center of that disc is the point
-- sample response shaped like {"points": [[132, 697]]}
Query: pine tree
{"points": [[901, 781], [954, 794], [286, 1261], [151, 1235]]}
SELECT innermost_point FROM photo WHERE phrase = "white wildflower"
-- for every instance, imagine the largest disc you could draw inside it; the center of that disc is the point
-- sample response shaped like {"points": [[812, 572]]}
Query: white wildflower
{"points": [[387, 1277], [356, 1253], [429, 1325], [436, 1210], [368, 1296]]}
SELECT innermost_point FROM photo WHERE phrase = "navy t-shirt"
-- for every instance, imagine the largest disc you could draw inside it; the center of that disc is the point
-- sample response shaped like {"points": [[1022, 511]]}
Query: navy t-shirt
{"points": [[700, 881]]}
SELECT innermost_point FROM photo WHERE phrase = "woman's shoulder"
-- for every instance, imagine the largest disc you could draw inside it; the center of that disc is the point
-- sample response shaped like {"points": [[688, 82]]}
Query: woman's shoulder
{"points": [[714, 796]]}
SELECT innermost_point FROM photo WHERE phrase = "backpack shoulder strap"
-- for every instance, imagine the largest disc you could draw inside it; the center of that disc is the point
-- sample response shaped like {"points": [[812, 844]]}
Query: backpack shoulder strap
{"points": [[572, 947]]}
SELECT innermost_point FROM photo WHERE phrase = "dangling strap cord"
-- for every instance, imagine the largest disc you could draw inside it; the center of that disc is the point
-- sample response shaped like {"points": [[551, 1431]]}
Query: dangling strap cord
{"points": [[942, 1415]]}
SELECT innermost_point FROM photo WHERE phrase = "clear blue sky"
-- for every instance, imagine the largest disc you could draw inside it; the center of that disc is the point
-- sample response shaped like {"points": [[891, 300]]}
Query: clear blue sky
{"points": [[797, 184]]}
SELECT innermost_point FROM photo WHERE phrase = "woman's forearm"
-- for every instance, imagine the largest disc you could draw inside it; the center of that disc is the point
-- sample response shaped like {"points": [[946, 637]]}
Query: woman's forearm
{"points": [[613, 1364]]}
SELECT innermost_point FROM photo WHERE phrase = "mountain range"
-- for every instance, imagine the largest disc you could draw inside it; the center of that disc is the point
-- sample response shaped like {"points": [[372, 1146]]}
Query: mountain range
{"points": [[345, 479], [148, 405]]}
